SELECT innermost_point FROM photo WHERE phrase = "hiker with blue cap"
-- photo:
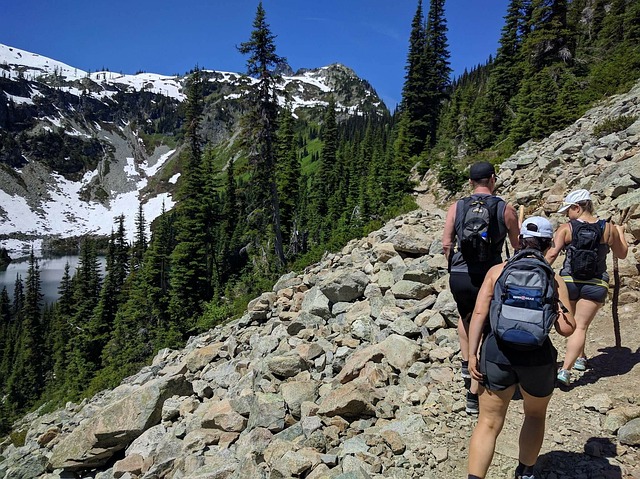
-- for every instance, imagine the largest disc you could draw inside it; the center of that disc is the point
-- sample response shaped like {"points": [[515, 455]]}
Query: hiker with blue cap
{"points": [[587, 241], [519, 302]]}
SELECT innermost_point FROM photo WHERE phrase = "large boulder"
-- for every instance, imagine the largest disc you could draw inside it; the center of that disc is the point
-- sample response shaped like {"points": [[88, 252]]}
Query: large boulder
{"points": [[115, 426]]}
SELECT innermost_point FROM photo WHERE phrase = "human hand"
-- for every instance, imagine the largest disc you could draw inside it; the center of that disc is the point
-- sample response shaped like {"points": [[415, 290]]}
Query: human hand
{"points": [[473, 368]]}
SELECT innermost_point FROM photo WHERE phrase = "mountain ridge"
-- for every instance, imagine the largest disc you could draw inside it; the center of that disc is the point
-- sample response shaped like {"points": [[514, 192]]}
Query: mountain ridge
{"points": [[101, 143]]}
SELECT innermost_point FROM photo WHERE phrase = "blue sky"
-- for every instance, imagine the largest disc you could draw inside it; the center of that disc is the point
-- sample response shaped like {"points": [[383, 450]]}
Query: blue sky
{"points": [[169, 37]]}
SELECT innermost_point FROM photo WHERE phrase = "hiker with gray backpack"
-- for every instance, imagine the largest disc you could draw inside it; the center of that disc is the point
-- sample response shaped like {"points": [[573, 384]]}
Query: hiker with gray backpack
{"points": [[587, 241], [509, 346], [475, 230]]}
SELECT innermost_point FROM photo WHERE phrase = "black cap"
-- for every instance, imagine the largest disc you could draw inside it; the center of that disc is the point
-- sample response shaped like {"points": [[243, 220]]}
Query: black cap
{"points": [[481, 170]]}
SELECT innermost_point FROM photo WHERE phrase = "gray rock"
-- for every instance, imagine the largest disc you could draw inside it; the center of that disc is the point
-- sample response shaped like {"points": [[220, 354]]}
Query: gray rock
{"points": [[286, 366], [295, 393], [630, 433], [267, 411], [116, 426], [316, 303], [344, 285]]}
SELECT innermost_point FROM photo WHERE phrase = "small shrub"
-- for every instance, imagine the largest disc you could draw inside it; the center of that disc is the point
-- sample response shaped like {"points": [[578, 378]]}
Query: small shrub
{"points": [[612, 125], [213, 315], [18, 438]]}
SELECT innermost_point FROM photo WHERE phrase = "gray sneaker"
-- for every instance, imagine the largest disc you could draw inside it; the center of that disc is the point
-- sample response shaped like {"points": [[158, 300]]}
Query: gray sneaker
{"points": [[473, 407], [580, 364], [564, 377], [464, 370]]}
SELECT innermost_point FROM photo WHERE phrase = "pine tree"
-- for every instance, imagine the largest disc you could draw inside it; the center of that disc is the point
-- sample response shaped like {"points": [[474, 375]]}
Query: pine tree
{"points": [[26, 381], [438, 67], [6, 351], [289, 173], [328, 173], [414, 126], [62, 329], [190, 277], [87, 282], [261, 124], [494, 113], [140, 241], [110, 297]]}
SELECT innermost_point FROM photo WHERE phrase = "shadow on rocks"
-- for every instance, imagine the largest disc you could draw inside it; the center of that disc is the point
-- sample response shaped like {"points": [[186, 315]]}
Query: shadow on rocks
{"points": [[590, 464], [610, 362]]}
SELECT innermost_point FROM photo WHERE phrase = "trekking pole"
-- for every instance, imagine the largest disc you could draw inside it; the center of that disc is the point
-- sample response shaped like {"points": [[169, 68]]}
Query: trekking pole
{"points": [[616, 288], [520, 216]]}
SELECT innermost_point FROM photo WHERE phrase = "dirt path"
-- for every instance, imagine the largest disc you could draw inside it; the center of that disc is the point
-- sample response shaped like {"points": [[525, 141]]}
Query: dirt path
{"points": [[576, 445]]}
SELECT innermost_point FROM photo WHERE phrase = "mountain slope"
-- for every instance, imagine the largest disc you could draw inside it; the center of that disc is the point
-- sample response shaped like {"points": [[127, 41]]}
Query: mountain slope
{"points": [[349, 369], [80, 148]]}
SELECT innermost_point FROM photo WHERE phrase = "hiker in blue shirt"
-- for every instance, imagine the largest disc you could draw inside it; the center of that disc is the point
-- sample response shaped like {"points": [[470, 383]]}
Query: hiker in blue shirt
{"points": [[500, 367], [584, 269]]}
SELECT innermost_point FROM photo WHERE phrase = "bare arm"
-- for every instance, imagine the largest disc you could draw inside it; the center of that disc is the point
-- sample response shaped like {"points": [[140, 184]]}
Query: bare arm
{"points": [[617, 241], [560, 240], [449, 233], [479, 317], [513, 226], [565, 324]]}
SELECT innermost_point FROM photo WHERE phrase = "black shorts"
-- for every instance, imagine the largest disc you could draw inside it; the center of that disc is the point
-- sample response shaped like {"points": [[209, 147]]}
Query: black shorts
{"points": [[592, 289], [464, 288], [538, 381]]}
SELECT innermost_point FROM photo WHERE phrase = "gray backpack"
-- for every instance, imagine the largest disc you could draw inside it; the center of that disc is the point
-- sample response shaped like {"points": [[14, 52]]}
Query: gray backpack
{"points": [[525, 303]]}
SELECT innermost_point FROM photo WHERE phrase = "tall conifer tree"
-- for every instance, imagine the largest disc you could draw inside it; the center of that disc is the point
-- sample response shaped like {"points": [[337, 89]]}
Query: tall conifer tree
{"points": [[288, 174], [438, 69], [190, 277], [26, 381], [415, 96], [261, 124]]}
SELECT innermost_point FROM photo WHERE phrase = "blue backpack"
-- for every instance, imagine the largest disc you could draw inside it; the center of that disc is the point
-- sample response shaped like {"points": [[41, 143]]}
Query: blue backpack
{"points": [[524, 307]]}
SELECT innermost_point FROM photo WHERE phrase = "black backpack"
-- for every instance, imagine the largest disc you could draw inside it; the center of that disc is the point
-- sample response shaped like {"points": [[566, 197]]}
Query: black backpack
{"points": [[524, 307], [583, 249], [478, 224]]}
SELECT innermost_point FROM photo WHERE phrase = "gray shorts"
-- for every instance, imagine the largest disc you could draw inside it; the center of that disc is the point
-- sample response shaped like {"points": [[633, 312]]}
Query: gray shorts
{"points": [[538, 381], [592, 289]]}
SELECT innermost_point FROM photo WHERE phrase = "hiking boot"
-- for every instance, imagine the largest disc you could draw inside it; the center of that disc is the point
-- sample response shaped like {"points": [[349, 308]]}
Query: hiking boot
{"points": [[580, 364], [464, 370], [564, 377], [520, 474], [472, 407]]}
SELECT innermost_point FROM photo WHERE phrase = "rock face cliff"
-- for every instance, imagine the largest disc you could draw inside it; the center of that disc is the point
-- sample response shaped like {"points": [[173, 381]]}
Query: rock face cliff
{"points": [[350, 369]]}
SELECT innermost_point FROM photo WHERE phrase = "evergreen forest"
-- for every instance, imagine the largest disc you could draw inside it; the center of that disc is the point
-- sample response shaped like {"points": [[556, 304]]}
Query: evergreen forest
{"points": [[298, 188]]}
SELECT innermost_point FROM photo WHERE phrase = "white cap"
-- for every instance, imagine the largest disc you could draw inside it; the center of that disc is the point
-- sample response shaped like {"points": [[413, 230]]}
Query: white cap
{"points": [[536, 226], [573, 198]]}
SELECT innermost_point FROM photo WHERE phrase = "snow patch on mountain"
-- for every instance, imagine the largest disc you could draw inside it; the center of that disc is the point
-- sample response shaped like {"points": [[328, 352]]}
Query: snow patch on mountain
{"points": [[41, 204]]}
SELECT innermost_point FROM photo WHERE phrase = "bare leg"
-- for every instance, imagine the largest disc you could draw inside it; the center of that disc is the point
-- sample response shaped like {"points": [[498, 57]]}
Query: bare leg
{"points": [[585, 311], [532, 431], [463, 336], [493, 408]]}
